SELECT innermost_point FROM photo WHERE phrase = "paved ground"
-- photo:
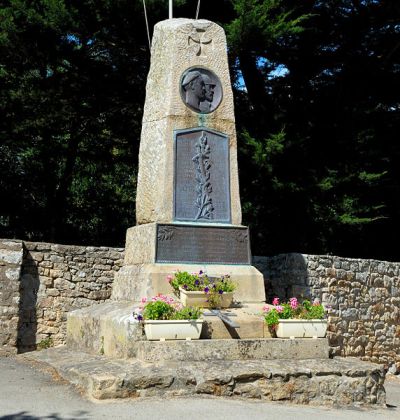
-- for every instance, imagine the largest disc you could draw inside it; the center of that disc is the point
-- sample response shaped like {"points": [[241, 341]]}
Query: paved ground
{"points": [[26, 394]]}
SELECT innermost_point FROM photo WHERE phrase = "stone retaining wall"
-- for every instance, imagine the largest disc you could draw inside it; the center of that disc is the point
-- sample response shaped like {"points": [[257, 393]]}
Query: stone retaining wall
{"points": [[11, 253], [41, 282], [363, 296]]}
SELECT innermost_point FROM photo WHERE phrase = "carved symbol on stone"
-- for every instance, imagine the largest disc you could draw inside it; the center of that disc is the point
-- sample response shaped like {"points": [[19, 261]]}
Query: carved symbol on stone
{"points": [[201, 90], [165, 233], [241, 236], [197, 38], [204, 188]]}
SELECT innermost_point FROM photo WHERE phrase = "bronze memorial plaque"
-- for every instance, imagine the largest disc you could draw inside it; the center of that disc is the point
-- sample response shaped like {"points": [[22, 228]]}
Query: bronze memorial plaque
{"points": [[202, 244], [202, 179]]}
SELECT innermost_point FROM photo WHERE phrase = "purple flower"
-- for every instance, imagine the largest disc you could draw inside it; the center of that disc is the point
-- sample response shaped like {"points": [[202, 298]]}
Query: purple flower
{"points": [[185, 286], [206, 290], [201, 272], [140, 317], [220, 291], [197, 282]]}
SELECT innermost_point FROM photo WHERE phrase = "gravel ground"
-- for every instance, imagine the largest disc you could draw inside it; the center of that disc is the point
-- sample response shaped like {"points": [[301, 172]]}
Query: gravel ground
{"points": [[27, 394]]}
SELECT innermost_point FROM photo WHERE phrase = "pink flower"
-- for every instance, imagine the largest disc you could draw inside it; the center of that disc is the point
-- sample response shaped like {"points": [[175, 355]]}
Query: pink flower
{"points": [[169, 278], [316, 302], [143, 300], [279, 308], [266, 309], [293, 303], [275, 301]]}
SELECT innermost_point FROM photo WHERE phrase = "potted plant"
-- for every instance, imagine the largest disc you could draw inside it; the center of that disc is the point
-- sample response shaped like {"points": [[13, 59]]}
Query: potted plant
{"points": [[294, 319], [200, 290], [164, 318]]}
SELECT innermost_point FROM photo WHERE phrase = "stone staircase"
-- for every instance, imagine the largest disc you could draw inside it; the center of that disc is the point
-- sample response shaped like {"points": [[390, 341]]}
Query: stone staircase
{"points": [[107, 356], [323, 381]]}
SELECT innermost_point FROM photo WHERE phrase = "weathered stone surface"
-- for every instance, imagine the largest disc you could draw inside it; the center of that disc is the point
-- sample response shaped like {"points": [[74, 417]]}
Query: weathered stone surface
{"points": [[240, 349], [172, 54], [133, 282], [363, 298], [107, 329], [251, 323], [11, 254], [363, 320], [40, 283], [315, 382]]}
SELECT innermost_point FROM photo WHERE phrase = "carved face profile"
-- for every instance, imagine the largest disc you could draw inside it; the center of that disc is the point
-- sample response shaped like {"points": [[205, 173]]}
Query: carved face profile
{"points": [[210, 86], [194, 88], [201, 90]]}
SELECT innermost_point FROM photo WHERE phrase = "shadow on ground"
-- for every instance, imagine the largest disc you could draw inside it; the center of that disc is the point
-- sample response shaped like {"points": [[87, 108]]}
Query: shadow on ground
{"points": [[24, 415]]}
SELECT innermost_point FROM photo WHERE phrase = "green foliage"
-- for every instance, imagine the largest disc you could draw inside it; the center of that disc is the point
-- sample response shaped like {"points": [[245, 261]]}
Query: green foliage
{"points": [[316, 107], [158, 310], [183, 278], [213, 287], [188, 313], [45, 344], [293, 310], [165, 308], [260, 23], [200, 281]]}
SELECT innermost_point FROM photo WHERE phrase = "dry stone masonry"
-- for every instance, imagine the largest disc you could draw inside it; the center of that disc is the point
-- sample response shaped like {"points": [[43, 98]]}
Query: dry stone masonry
{"points": [[41, 283], [363, 296]]}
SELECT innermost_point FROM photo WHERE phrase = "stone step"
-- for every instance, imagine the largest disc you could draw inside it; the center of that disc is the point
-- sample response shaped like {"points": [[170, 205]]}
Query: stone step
{"points": [[248, 318], [247, 349], [332, 382], [109, 328]]}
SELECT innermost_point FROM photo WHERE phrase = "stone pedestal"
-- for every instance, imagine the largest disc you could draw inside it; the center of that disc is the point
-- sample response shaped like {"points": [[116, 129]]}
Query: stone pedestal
{"points": [[145, 268], [133, 282], [188, 206], [179, 45]]}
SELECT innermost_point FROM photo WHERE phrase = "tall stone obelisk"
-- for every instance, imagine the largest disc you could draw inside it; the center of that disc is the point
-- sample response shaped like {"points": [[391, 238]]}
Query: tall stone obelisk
{"points": [[188, 205]]}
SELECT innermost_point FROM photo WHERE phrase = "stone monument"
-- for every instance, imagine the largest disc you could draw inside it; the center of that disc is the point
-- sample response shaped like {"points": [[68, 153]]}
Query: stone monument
{"points": [[189, 218], [188, 206]]}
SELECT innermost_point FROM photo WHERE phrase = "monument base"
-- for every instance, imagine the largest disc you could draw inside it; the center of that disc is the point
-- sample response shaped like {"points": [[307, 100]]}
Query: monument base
{"points": [[133, 282], [188, 243], [319, 381], [156, 250]]}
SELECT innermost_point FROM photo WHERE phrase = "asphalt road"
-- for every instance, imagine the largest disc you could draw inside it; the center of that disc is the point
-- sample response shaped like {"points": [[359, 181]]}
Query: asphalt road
{"points": [[27, 394]]}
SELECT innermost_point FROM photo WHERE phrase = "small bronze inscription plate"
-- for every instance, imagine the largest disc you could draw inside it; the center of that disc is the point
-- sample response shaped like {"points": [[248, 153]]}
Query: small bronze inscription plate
{"points": [[201, 90], [202, 181], [202, 244]]}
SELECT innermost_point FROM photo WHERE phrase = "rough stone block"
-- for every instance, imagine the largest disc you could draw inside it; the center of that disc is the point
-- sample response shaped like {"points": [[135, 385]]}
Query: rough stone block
{"points": [[108, 329]]}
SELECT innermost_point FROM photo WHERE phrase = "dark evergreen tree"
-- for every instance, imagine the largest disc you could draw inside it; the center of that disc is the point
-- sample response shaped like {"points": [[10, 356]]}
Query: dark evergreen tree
{"points": [[316, 90]]}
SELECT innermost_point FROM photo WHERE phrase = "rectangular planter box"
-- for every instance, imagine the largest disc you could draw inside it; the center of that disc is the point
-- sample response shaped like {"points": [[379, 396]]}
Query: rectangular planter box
{"points": [[199, 299], [301, 328], [173, 329]]}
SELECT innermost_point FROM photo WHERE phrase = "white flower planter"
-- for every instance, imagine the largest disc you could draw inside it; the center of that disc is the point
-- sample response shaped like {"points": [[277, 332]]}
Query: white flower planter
{"points": [[199, 299], [173, 329], [301, 328]]}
